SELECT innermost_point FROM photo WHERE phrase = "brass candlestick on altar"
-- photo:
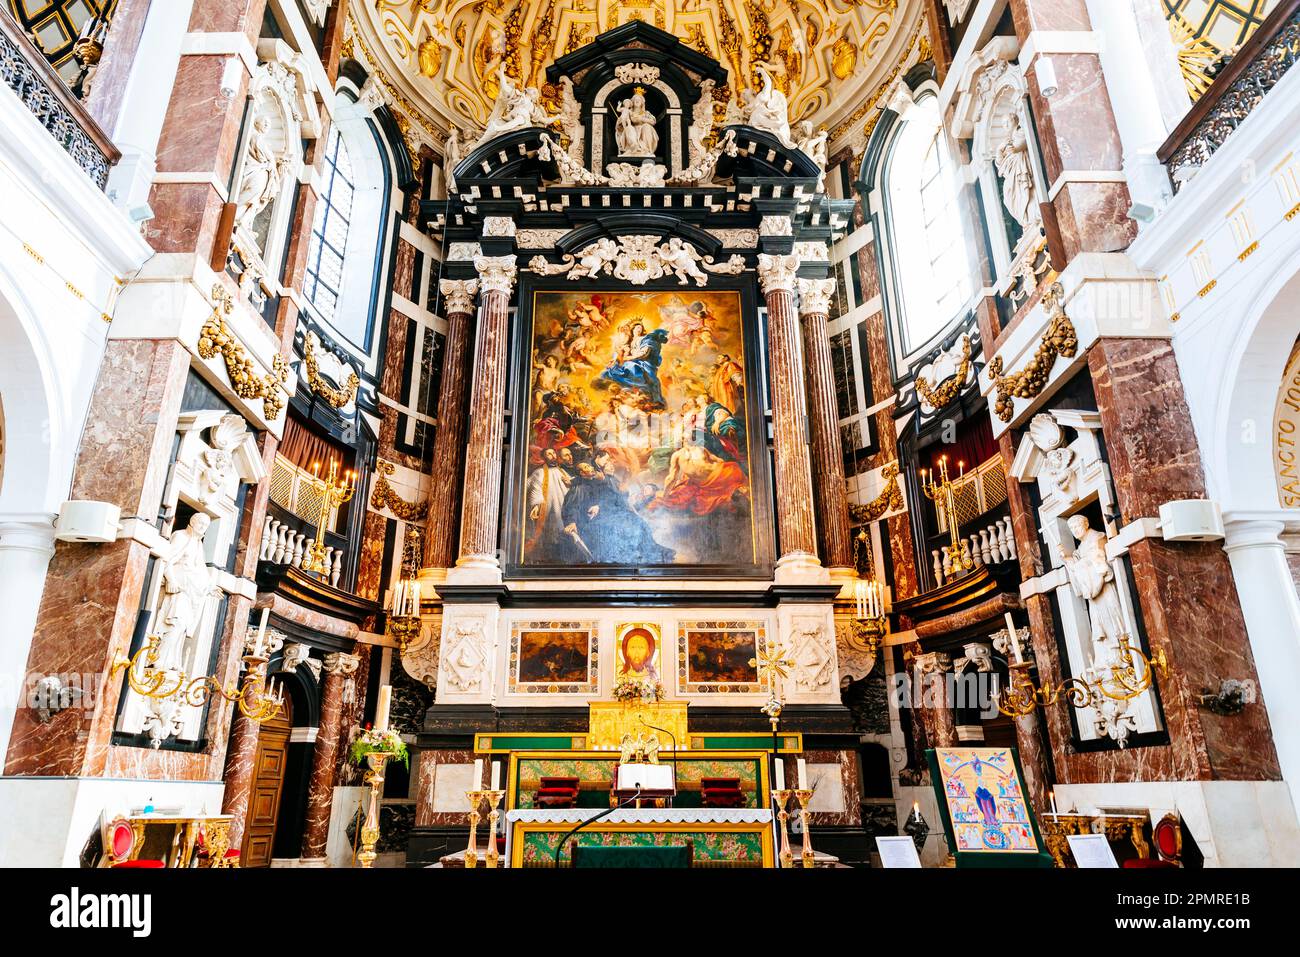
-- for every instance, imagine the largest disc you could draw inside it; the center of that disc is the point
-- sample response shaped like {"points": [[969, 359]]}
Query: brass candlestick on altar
{"points": [[803, 796], [370, 828], [493, 799], [475, 798], [941, 493], [333, 494], [782, 797]]}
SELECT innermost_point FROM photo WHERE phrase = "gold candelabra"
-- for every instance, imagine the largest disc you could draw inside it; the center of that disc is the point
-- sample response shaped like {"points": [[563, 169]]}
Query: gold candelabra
{"points": [[941, 493], [803, 796], [370, 827], [252, 695], [493, 798], [475, 799], [782, 798], [868, 596], [1125, 682], [333, 494]]}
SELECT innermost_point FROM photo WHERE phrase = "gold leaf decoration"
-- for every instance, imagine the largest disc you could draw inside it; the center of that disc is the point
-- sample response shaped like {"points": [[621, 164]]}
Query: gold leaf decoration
{"points": [[890, 498], [385, 496], [216, 337], [1058, 340]]}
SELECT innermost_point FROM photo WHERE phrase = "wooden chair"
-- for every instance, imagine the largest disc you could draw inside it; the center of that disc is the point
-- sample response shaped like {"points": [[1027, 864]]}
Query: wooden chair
{"points": [[1167, 839]]}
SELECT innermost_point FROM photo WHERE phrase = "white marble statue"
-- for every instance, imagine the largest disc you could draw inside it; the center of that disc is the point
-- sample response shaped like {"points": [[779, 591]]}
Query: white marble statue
{"points": [[769, 111], [1093, 580], [1012, 160], [701, 122], [186, 583], [571, 118], [452, 154], [259, 182], [682, 260], [635, 129], [515, 109], [814, 145]]}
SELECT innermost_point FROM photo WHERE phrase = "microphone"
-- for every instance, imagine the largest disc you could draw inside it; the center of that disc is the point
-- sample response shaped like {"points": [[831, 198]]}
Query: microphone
{"points": [[559, 848], [674, 737]]}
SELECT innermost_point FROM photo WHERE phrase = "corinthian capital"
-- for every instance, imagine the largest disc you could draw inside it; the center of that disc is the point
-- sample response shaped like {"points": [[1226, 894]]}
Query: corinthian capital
{"points": [[933, 663], [458, 295], [341, 663], [777, 273], [496, 273], [815, 296]]}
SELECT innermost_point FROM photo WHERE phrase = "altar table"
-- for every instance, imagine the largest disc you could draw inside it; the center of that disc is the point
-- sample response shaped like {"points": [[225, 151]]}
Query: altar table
{"points": [[722, 837]]}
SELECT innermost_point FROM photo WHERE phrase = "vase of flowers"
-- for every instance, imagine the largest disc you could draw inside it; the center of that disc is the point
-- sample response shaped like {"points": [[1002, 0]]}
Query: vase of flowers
{"points": [[372, 740], [638, 691]]}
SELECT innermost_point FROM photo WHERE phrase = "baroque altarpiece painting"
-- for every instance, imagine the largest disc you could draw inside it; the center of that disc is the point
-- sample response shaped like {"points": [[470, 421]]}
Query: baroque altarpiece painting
{"points": [[639, 445]]}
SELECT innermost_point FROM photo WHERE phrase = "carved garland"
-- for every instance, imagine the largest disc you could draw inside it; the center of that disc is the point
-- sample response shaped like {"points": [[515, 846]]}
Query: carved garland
{"points": [[335, 397], [890, 498], [215, 336], [385, 496], [939, 396], [1058, 340]]}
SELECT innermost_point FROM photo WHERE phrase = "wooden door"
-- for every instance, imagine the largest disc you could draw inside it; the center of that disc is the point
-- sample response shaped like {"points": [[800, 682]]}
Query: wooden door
{"points": [[268, 785]]}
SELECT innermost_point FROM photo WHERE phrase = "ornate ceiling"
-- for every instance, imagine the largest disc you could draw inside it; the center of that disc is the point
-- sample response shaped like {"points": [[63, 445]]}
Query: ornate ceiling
{"points": [[439, 59]]}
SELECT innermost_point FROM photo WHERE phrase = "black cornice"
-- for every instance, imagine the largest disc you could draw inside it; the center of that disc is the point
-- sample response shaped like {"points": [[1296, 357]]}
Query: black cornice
{"points": [[633, 597]]}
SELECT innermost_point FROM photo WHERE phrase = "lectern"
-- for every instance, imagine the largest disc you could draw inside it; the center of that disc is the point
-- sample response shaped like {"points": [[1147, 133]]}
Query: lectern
{"points": [[654, 781]]}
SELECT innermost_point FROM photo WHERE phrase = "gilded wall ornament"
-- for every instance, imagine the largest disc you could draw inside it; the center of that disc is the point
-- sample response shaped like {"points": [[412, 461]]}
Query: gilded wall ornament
{"points": [[338, 398], [385, 496], [216, 337], [889, 500], [936, 396], [1058, 340]]}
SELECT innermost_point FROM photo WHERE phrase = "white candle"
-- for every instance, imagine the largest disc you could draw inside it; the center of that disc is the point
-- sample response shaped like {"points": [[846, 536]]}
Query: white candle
{"points": [[1015, 639], [381, 709], [478, 774], [496, 775], [803, 775], [415, 600], [780, 774], [398, 597], [261, 633], [1053, 802], [916, 809]]}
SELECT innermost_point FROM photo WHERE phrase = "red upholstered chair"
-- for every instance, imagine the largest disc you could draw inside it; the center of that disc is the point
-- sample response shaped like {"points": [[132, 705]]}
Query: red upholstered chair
{"points": [[1167, 838], [203, 854], [119, 844], [557, 792]]}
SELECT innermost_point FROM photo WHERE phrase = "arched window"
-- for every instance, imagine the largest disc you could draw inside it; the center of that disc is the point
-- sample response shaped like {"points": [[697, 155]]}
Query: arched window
{"points": [[928, 238], [344, 253]]}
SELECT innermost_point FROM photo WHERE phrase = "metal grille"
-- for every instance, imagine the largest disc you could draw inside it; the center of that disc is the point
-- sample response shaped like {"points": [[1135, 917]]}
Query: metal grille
{"points": [[282, 478], [295, 489], [982, 490]]}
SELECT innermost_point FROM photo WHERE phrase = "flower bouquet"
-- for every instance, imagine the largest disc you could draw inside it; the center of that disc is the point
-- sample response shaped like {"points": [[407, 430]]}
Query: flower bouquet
{"points": [[372, 739], [638, 691]]}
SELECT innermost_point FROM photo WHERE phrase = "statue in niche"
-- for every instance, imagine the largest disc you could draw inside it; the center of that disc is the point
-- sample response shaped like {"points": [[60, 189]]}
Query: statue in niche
{"points": [[260, 180], [186, 583], [634, 130], [1093, 580], [1012, 161]]}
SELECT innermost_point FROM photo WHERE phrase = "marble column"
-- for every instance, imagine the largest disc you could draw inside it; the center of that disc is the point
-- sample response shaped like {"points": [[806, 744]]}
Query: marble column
{"points": [[824, 424], [933, 671], [480, 510], [796, 526], [337, 669], [1272, 611], [26, 547], [449, 443]]}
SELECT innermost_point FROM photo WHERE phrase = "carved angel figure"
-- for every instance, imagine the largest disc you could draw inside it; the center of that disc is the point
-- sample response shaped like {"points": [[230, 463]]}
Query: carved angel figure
{"points": [[594, 259], [769, 111], [683, 261]]}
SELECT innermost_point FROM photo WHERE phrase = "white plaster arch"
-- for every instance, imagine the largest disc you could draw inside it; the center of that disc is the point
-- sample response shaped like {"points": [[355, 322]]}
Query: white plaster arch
{"points": [[38, 450]]}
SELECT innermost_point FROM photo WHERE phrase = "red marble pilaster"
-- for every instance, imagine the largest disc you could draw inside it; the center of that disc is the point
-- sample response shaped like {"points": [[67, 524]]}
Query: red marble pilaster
{"points": [[449, 442], [481, 506], [337, 669], [933, 673], [827, 448], [796, 525]]}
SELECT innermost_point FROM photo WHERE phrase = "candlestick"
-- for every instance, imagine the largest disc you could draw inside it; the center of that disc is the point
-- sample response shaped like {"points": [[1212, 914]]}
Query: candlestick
{"points": [[493, 798], [381, 709], [803, 795], [784, 855]]}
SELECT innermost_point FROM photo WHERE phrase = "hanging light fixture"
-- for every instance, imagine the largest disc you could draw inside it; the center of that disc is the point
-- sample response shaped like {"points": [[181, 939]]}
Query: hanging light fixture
{"points": [[404, 611], [868, 596]]}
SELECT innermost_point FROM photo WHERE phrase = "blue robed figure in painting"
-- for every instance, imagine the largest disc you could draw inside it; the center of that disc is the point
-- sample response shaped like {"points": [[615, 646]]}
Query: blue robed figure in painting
{"points": [[636, 365]]}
